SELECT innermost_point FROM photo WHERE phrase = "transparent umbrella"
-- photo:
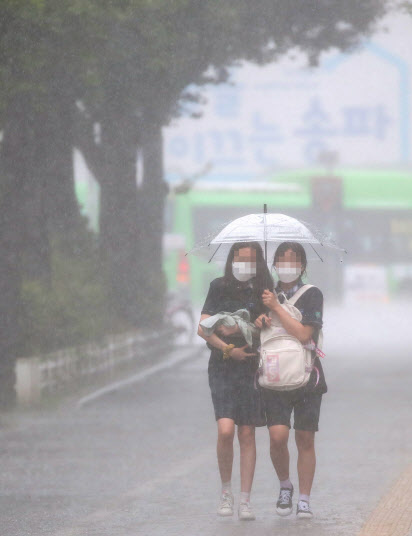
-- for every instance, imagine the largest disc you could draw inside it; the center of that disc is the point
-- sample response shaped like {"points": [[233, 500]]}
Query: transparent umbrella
{"points": [[269, 230]]}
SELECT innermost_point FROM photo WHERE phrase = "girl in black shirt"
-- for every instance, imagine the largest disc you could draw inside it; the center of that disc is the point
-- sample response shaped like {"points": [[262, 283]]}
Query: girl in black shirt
{"points": [[232, 368]]}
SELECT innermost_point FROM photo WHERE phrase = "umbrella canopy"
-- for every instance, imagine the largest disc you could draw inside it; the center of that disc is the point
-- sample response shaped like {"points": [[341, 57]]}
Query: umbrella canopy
{"points": [[277, 227], [272, 229]]}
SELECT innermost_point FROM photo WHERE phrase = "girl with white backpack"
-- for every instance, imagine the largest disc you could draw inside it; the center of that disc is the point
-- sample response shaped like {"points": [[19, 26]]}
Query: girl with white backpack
{"points": [[291, 375]]}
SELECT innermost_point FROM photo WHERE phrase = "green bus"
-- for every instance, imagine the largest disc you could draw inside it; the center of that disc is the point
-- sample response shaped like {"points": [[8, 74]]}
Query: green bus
{"points": [[368, 211]]}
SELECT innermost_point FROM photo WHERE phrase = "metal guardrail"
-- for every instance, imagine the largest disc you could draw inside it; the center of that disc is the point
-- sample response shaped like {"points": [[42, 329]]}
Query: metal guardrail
{"points": [[52, 373]]}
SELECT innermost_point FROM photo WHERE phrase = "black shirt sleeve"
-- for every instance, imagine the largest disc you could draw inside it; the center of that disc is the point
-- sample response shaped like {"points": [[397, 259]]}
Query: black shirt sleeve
{"points": [[210, 306], [222, 297], [312, 314]]}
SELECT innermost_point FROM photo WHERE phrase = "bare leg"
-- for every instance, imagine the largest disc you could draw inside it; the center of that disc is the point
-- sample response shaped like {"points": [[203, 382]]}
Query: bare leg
{"points": [[246, 435], [225, 435], [305, 441], [279, 453]]}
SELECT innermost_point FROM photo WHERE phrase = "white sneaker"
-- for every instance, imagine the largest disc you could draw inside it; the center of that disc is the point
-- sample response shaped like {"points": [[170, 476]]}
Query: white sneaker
{"points": [[246, 512], [226, 504], [303, 510]]}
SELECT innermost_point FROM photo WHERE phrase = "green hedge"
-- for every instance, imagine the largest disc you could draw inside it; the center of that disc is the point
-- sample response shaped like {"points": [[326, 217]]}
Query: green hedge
{"points": [[73, 307]]}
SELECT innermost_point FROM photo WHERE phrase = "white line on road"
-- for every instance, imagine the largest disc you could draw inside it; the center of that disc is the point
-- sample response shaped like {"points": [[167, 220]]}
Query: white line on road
{"points": [[183, 356]]}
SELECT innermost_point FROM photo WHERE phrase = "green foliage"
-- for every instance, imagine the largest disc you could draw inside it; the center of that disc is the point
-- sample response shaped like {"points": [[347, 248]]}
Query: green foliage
{"points": [[136, 59], [142, 54], [73, 307], [46, 46]]}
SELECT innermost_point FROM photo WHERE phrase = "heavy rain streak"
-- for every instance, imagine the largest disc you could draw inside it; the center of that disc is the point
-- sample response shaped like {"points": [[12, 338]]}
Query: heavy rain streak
{"points": [[205, 267]]}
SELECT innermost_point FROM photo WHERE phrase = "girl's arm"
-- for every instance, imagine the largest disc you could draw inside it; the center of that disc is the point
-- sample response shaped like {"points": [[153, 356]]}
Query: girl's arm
{"points": [[292, 326], [239, 354], [213, 339]]}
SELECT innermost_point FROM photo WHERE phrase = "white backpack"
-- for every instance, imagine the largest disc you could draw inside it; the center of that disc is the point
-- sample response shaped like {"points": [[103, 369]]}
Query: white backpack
{"points": [[285, 364]]}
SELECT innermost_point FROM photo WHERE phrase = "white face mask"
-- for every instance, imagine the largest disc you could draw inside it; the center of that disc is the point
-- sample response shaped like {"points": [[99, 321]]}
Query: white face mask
{"points": [[288, 273], [243, 271]]}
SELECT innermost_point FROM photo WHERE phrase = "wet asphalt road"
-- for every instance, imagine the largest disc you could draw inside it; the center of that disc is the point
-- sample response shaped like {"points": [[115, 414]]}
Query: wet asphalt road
{"points": [[141, 461]]}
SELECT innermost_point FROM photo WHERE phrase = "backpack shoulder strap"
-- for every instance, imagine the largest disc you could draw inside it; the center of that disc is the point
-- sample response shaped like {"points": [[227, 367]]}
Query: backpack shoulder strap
{"points": [[299, 293]]}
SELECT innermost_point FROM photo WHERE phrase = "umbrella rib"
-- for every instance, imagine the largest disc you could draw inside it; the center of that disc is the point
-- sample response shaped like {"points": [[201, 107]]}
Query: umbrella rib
{"points": [[316, 252], [216, 250]]}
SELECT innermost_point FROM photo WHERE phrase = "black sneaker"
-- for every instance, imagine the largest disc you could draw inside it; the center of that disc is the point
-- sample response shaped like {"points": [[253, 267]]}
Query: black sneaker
{"points": [[303, 510], [284, 504]]}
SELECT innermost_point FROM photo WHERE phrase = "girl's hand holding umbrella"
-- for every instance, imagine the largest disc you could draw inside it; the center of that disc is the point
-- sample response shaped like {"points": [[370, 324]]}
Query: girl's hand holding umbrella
{"points": [[270, 300], [263, 321]]}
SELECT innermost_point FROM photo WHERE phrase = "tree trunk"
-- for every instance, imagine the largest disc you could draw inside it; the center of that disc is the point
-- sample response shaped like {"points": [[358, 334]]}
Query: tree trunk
{"points": [[23, 156], [118, 223], [61, 206], [152, 203], [43, 159], [131, 219], [36, 197], [14, 163]]}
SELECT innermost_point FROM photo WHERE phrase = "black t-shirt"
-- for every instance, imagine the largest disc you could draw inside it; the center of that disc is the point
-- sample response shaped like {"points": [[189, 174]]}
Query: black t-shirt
{"points": [[310, 304], [227, 296]]}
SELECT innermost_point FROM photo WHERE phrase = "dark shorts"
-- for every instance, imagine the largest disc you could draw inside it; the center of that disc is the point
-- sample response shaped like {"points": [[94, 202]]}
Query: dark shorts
{"points": [[305, 405], [234, 395]]}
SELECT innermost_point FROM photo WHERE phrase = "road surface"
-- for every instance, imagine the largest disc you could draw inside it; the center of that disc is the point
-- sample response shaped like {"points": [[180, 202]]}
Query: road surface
{"points": [[140, 460]]}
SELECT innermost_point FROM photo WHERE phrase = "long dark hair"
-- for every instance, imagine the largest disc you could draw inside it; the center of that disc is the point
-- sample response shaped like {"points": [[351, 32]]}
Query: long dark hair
{"points": [[263, 278], [294, 246]]}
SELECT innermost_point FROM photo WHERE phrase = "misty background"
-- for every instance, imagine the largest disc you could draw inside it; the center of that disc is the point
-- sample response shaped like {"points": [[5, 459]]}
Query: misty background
{"points": [[125, 138], [129, 131]]}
